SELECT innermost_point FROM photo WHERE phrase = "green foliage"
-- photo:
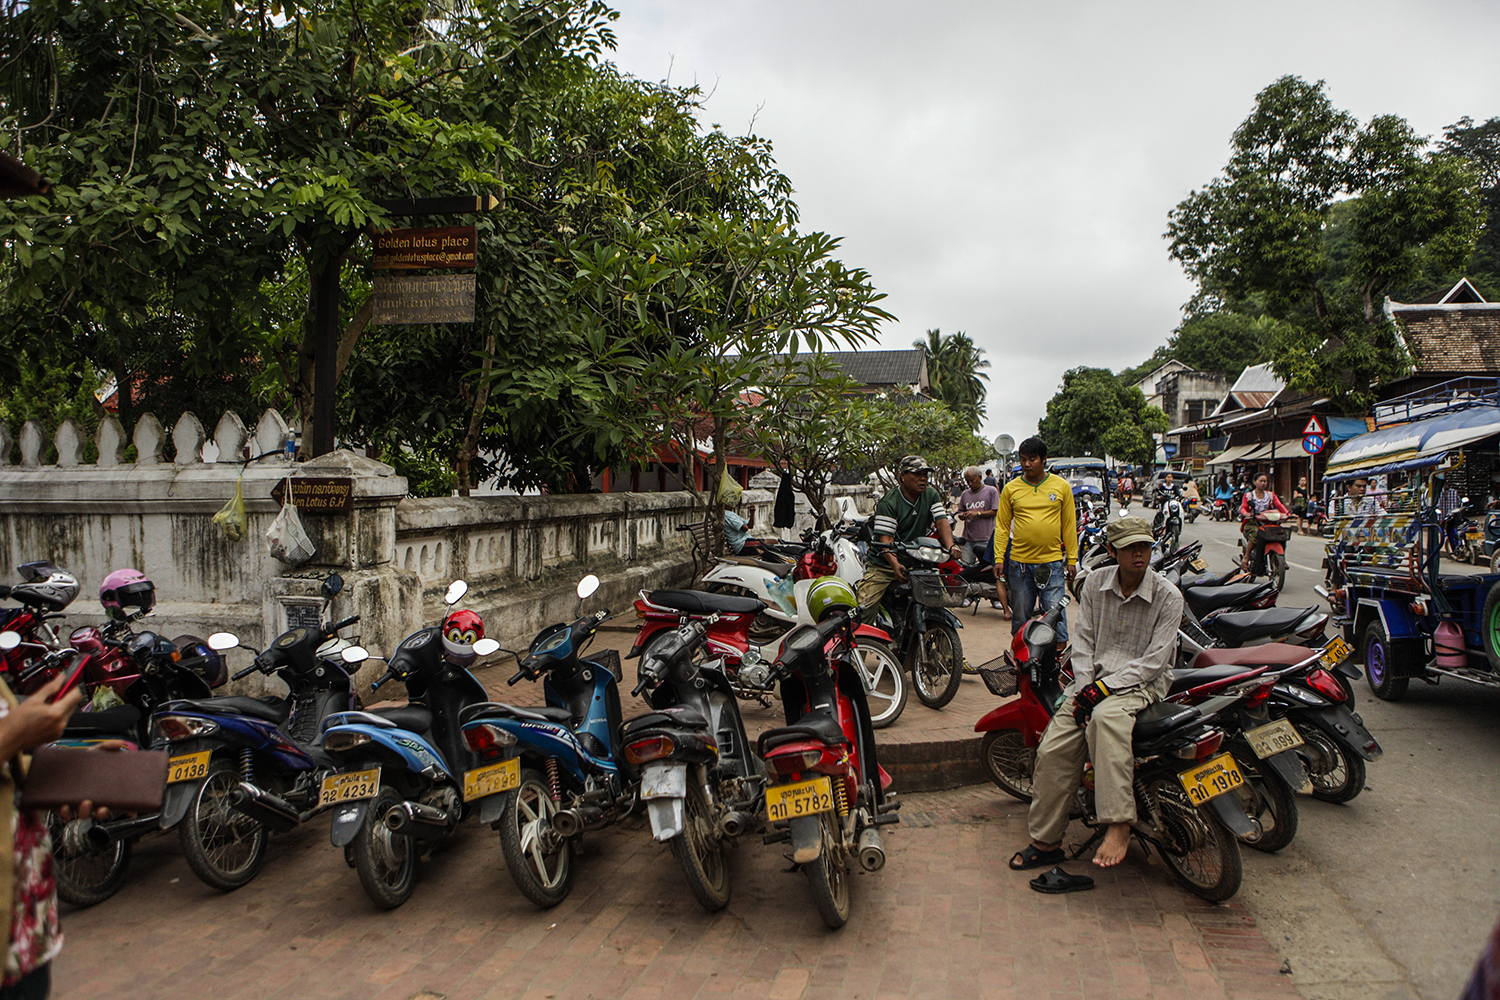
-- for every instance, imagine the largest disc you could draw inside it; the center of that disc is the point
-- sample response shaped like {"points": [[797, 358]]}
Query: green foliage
{"points": [[50, 393], [903, 426], [1095, 413], [428, 473], [954, 374]]}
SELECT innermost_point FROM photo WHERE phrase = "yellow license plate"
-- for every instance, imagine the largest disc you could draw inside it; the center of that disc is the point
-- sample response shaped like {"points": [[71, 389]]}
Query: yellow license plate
{"points": [[805, 798], [1476, 534], [1269, 740], [492, 778], [349, 787], [1335, 652], [188, 767], [1198, 565], [1210, 780]]}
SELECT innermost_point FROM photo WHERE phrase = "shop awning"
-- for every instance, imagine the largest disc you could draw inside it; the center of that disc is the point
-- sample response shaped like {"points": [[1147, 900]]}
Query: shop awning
{"points": [[1232, 455], [1413, 445], [1286, 449]]}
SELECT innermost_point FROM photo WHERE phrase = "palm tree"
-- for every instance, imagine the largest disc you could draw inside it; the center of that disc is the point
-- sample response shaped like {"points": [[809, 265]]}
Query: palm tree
{"points": [[954, 373]]}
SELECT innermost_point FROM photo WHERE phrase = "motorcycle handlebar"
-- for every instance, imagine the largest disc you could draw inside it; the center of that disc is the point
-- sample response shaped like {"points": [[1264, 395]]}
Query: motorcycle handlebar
{"points": [[246, 672], [519, 675], [331, 629]]}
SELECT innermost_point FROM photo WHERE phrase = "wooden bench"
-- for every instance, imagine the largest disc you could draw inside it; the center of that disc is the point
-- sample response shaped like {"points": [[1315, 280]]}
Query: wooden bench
{"points": [[701, 541]]}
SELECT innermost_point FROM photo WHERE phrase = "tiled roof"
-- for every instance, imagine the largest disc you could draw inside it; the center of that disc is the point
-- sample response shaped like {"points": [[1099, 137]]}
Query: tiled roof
{"points": [[883, 367], [1257, 378], [1455, 341]]}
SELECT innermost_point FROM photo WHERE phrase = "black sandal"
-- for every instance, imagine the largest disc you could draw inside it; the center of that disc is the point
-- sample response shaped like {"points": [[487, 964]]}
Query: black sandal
{"points": [[1057, 880], [1031, 857]]}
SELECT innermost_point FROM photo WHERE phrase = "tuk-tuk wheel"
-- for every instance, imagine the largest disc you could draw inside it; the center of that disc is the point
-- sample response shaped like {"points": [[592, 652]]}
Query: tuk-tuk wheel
{"points": [[1378, 665]]}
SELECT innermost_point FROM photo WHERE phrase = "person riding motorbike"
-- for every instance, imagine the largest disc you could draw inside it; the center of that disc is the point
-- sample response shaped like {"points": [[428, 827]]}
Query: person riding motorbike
{"points": [[910, 511], [1256, 503]]}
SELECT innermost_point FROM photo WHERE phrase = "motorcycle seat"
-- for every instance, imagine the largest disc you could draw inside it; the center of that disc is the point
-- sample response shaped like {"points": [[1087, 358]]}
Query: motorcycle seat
{"points": [[412, 718], [120, 720], [1239, 627], [494, 709], [270, 709], [683, 716], [703, 603], [813, 726], [1191, 677], [1205, 599], [1160, 718], [1274, 654], [1209, 579]]}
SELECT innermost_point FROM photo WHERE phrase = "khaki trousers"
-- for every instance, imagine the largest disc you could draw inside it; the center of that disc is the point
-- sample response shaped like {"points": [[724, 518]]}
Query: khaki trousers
{"points": [[1059, 765], [873, 585]]}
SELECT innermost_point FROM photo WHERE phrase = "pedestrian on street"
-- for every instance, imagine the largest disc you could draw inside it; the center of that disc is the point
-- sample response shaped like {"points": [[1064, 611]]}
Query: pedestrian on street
{"points": [[1037, 519]]}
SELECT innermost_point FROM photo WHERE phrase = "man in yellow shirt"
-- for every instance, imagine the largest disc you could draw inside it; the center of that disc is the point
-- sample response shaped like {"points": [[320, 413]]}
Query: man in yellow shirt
{"points": [[1036, 517]]}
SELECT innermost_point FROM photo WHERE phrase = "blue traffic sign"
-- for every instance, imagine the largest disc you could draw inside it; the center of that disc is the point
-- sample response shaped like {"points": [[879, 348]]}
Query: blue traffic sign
{"points": [[1313, 443]]}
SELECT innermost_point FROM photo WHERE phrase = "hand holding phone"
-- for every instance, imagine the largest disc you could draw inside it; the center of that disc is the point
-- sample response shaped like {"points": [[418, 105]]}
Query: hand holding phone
{"points": [[71, 679]]}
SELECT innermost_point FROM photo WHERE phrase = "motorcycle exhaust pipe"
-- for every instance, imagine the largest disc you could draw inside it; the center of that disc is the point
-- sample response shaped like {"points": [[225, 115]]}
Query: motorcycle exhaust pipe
{"points": [[271, 811], [102, 836], [871, 850], [737, 824], [415, 819], [572, 822]]}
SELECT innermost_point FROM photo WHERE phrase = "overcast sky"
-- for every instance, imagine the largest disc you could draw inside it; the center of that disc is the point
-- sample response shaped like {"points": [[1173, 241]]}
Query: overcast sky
{"points": [[1006, 169]]}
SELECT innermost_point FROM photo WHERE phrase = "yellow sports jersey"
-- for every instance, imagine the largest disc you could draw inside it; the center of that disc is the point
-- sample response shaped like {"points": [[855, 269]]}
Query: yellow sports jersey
{"points": [[1045, 525]]}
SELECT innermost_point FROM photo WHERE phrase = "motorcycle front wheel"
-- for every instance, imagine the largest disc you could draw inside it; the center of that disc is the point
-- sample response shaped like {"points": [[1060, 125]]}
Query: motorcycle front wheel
{"points": [[937, 665], [540, 860], [1009, 762], [828, 877], [224, 847], [1276, 568], [885, 681], [1200, 851], [385, 860], [700, 850], [86, 875], [1337, 773]]}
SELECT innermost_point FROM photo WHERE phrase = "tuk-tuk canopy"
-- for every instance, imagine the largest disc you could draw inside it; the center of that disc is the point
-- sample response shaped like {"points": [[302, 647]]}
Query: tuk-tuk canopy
{"points": [[1415, 445]]}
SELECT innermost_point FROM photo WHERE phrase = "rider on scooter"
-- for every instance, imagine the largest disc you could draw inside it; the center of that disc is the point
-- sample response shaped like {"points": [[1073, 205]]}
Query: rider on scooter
{"points": [[910, 511], [1256, 503]]}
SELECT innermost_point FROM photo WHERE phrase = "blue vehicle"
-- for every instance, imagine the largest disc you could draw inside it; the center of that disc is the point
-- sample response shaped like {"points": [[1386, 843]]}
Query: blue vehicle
{"points": [[405, 774], [243, 767], [561, 757]]}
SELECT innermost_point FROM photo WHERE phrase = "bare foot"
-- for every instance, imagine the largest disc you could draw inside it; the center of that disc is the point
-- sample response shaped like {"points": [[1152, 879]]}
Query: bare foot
{"points": [[1112, 850]]}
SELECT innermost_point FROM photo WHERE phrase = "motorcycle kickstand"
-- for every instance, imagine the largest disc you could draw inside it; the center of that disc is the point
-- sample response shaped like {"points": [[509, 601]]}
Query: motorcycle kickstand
{"points": [[1087, 844]]}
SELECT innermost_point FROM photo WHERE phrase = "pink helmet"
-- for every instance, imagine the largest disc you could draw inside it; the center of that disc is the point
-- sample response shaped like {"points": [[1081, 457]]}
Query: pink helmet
{"points": [[461, 630], [126, 591]]}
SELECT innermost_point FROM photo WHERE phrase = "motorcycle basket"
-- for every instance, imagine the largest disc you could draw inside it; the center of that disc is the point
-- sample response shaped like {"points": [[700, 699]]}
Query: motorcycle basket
{"points": [[999, 675], [929, 590], [1273, 533]]}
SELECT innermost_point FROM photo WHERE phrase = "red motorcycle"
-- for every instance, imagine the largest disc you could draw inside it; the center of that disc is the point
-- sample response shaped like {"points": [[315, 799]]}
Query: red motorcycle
{"points": [[42, 597], [825, 792]]}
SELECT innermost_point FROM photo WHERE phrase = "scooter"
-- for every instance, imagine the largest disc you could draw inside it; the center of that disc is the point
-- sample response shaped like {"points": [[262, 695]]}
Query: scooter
{"points": [[826, 791], [1269, 556], [702, 784], [915, 613]]}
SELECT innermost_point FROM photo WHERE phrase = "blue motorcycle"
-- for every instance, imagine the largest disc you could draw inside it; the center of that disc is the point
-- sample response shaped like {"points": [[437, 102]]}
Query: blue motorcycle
{"points": [[559, 760], [405, 775], [243, 767]]}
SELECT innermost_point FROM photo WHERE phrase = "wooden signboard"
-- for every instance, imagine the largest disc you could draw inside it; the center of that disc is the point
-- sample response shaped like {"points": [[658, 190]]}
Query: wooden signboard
{"points": [[314, 495], [428, 247], [1200, 449], [442, 298]]}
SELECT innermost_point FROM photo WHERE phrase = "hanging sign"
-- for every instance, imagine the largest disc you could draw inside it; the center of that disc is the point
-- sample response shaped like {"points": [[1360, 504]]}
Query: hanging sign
{"points": [[430, 246], [441, 298], [1313, 443], [1315, 426], [317, 495]]}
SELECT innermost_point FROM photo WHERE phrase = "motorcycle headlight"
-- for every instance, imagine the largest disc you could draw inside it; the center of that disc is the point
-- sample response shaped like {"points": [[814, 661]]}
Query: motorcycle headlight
{"points": [[928, 554]]}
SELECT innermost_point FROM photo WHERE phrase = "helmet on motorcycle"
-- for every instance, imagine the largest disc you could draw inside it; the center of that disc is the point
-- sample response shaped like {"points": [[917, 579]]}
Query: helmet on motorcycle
{"points": [[210, 667], [461, 630], [827, 594], [47, 586], [125, 591]]}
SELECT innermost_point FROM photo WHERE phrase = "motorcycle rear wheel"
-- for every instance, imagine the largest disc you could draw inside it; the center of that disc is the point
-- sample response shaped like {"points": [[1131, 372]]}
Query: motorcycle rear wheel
{"points": [[1205, 858], [1274, 805], [1009, 762], [86, 875], [937, 665], [386, 861], [224, 847], [828, 877], [1337, 773], [701, 852], [540, 862], [885, 681]]}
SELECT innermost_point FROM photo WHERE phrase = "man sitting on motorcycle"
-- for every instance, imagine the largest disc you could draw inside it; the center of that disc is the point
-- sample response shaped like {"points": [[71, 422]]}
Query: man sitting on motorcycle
{"points": [[910, 511], [1124, 641]]}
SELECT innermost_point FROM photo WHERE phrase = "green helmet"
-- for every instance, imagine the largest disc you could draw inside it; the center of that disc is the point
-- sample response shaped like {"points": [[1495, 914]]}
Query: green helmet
{"points": [[828, 593]]}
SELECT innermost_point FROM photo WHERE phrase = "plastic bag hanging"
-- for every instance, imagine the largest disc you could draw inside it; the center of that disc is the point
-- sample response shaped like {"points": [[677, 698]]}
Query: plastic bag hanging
{"points": [[288, 539], [231, 518]]}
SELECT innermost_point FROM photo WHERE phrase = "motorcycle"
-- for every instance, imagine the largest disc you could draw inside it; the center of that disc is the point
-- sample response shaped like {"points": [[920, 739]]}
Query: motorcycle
{"points": [[915, 614], [702, 784], [825, 792], [1463, 536], [404, 775], [1183, 782], [1167, 525], [563, 774], [1219, 511], [1268, 557]]}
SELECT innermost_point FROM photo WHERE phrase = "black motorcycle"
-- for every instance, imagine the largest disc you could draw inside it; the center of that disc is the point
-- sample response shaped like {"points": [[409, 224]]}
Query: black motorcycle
{"points": [[924, 633]]}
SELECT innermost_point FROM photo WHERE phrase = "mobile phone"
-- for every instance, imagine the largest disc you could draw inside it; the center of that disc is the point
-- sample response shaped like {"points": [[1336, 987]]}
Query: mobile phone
{"points": [[71, 681]]}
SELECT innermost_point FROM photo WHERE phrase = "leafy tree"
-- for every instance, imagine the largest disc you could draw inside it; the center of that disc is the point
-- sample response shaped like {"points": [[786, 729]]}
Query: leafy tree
{"points": [[1479, 145], [906, 426], [1314, 218], [954, 373], [1094, 413]]}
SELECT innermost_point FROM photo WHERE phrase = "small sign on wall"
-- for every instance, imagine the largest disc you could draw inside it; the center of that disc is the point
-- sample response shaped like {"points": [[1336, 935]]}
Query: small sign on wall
{"points": [[314, 495], [444, 298]]}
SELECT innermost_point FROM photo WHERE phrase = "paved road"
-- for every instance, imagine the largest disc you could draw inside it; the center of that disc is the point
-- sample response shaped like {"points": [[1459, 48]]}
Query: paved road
{"points": [[1392, 894]]}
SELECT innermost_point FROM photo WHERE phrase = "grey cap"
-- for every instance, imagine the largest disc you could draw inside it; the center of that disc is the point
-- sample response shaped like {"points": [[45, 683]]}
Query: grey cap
{"points": [[913, 463]]}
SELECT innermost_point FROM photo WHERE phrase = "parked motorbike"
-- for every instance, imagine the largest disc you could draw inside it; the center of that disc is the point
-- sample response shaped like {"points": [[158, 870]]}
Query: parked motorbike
{"points": [[1183, 781], [406, 775], [826, 791], [915, 613], [1462, 535], [702, 784]]}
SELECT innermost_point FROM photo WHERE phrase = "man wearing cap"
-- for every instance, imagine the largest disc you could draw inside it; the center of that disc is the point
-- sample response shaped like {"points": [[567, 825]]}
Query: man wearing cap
{"points": [[908, 512], [1124, 640]]}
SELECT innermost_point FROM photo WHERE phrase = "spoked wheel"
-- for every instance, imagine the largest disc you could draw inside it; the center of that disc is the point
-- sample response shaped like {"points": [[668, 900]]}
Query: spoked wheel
{"points": [[937, 662], [385, 860], [1009, 762], [1271, 801], [701, 851], [1337, 773], [540, 859], [885, 681], [224, 847], [1276, 567], [1200, 851], [86, 875], [828, 877]]}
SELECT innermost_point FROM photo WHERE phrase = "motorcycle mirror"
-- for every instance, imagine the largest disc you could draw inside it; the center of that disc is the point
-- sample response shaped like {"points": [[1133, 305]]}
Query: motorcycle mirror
{"points": [[456, 590], [9, 640], [333, 585], [354, 654], [221, 641], [484, 647], [587, 586]]}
